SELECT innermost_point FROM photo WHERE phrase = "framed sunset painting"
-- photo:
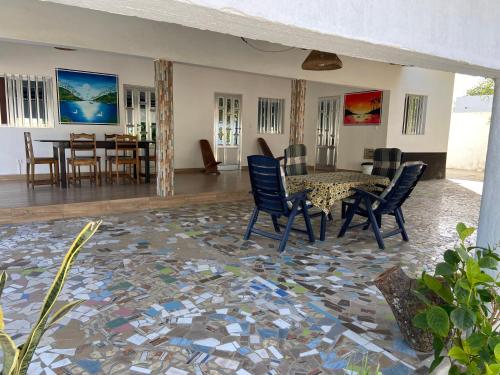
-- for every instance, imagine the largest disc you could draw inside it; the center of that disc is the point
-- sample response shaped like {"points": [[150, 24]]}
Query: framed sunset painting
{"points": [[363, 108]]}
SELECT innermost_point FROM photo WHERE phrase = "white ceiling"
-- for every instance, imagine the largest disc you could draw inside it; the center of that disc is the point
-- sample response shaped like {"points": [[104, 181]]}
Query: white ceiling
{"points": [[452, 35]]}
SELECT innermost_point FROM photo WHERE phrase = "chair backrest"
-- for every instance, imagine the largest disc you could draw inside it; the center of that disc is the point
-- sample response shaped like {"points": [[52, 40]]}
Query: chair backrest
{"points": [[266, 151], [28, 146], [267, 185], [109, 137], [207, 153], [386, 161], [295, 160], [404, 181], [83, 145], [126, 145]]}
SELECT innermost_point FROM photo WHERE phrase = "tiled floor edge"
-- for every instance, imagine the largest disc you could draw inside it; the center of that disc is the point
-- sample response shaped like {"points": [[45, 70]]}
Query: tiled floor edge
{"points": [[109, 207]]}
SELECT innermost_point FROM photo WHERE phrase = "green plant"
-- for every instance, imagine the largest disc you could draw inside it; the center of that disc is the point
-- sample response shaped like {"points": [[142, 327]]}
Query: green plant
{"points": [[464, 323], [16, 360], [362, 368]]}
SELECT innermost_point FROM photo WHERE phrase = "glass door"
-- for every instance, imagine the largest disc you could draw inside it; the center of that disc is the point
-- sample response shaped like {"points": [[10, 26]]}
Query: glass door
{"points": [[327, 134], [227, 131], [140, 108]]}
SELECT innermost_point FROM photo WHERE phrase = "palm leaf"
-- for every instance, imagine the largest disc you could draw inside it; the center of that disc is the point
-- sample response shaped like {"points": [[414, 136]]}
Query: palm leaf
{"points": [[51, 297], [3, 279], [10, 353], [59, 314]]}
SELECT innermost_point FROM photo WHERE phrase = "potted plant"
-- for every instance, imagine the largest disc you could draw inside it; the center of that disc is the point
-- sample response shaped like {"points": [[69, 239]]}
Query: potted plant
{"points": [[464, 321], [367, 167]]}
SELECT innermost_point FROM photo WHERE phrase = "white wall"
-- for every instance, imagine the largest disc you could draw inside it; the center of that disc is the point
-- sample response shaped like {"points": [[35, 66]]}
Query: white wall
{"points": [[195, 87], [468, 140], [40, 60], [438, 86]]}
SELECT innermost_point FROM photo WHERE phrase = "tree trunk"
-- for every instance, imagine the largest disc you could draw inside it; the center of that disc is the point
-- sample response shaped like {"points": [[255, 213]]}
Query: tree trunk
{"points": [[397, 289]]}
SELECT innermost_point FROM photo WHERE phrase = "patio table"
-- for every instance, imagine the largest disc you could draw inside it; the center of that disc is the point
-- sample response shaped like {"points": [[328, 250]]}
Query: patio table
{"points": [[328, 188]]}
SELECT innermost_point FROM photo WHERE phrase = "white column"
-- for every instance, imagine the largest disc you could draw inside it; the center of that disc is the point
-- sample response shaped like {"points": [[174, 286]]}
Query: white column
{"points": [[489, 216]]}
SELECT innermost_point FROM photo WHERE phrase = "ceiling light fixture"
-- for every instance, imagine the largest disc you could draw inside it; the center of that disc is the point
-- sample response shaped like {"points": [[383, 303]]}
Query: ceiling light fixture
{"points": [[318, 60]]}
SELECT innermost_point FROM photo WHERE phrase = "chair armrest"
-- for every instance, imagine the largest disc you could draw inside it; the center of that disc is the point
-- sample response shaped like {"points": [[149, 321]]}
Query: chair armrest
{"points": [[280, 158], [369, 194]]}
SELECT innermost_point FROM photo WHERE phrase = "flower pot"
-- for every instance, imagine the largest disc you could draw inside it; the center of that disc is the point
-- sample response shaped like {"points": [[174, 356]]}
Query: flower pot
{"points": [[367, 168]]}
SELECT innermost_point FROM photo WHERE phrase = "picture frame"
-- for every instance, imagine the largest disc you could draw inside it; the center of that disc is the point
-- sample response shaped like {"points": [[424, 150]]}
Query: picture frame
{"points": [[363, 108]]}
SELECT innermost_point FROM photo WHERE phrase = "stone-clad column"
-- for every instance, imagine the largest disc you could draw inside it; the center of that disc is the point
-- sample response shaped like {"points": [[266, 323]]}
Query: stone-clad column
{"points": [[489, 216], [297, 109], [164, 128]]}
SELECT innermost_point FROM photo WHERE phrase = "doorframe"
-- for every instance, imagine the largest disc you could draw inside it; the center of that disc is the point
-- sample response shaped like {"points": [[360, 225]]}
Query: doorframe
{"points": [[215, 116], [339, 99]]}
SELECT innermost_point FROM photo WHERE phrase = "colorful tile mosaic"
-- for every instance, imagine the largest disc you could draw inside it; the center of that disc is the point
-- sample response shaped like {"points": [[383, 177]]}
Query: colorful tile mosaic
{"points": [[179, 292]]}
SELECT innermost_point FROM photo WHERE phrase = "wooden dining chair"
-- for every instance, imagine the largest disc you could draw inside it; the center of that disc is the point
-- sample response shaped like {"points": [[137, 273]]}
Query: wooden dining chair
{"points": [[83, 154], [127, 155], [108, 154], [32, 161], [266, 151], [208, 158]]}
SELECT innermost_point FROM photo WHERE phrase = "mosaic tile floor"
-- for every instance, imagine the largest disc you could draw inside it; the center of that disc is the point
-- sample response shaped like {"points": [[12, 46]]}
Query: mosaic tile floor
{"points": [[179, 292]]}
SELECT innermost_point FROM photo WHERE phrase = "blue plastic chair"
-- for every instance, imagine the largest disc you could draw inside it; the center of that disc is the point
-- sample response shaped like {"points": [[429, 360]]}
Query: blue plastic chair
{"points": [[389, 202], [270, 196]]}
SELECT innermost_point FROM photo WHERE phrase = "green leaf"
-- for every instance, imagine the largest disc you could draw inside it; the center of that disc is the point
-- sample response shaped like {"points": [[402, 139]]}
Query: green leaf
{"points": [[485, 295], [463, 318], [59, 314], [474, 343], [497, 352], [10, 353], [3, 279], [421, 297], [454, 370], [483, 278], [444, 269], [437, 320], [420, 320], [472, 270], [493, 341], [437, 345], [464, 231], [432, 283], [458, 354], [445, 293], [451, 257], [488, 262]]}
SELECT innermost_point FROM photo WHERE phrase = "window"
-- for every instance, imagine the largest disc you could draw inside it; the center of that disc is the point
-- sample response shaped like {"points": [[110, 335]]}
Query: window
{"points": [[414, 115], [140, 108], [270, 116], [26, 101]]}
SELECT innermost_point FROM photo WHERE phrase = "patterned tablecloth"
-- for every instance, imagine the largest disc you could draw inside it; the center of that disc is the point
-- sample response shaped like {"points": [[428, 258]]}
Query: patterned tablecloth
{"points": [[329, 188]]}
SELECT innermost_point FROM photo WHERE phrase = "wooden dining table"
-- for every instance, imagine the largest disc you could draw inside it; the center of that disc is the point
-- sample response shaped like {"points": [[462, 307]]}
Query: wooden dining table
{"points": [[59, 147], [329, 188]]}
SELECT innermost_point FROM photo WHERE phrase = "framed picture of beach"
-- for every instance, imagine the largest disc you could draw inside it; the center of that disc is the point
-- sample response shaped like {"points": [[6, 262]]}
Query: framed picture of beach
{"points": [[87, 97], [363, 108]]}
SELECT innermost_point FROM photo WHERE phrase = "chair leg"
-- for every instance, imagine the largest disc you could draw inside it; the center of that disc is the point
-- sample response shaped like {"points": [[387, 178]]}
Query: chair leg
{"points": [[374, 225], [288, 227], [56, 166], [402, 216], [398, 214], [27, 174], [32, 175], [51, 170], [307, 219], [323, 226], [99, 174], [343, 210], [251, 223], [349, 216], [275, 223]]}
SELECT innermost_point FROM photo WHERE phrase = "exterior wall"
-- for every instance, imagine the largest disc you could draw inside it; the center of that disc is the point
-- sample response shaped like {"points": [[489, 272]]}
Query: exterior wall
{"points": [[468, 140], [438, 86]]}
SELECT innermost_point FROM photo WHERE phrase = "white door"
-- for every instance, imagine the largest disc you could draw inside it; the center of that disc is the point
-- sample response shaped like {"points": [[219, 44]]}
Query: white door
{"points": [[327, 134], [227, 131]]}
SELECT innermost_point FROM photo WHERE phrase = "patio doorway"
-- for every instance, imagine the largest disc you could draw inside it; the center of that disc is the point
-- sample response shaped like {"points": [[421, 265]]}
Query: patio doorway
{"points": [[227, 131], [327, 133]]}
